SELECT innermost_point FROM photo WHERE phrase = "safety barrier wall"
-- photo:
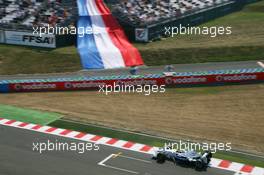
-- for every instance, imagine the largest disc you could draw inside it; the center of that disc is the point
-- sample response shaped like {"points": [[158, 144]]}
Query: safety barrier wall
{"points": [[169, 79]]}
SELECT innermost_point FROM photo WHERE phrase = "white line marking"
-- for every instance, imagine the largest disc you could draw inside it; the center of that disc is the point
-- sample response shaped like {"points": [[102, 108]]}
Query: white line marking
{"points": [[261, 64], [133, 158], [102, 163], [106, 159]]}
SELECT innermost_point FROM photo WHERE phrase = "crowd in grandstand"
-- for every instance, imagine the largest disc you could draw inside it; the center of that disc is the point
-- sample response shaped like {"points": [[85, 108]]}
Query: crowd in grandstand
{"points": [[138, 12], [30, 13], [150, 11]]}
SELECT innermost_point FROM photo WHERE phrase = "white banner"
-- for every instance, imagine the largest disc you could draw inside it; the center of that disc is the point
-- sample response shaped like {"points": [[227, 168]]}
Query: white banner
{"points": [[29, 39], [2, 36], [142, 35]]}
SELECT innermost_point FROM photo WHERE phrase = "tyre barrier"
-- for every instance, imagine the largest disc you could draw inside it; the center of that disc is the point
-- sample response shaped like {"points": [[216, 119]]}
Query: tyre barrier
{"points": [[171, 79]]}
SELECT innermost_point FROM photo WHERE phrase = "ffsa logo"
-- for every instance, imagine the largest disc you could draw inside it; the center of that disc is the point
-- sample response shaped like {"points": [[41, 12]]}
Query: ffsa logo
{"points": [[38, 39]]}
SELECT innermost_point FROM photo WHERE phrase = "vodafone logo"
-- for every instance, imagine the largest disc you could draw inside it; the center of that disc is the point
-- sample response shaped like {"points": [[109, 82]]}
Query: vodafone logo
{"points": [[82, 85], [68, 85], [168, 81], [40, 86], [236, 77], [17, 86], [137, 82], [186, 80]]}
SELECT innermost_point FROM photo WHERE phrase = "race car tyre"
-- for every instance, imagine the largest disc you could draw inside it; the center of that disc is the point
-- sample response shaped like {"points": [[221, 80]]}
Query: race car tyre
{"points": [[161, 158], [199, 165]]}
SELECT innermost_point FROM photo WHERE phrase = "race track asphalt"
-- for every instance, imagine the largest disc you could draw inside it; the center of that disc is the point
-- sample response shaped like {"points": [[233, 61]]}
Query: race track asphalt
{"points": [[18, 158]]}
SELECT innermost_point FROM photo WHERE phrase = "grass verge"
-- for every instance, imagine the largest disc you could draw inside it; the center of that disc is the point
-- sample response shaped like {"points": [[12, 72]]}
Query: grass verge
{"points": [[144, 139], [27, 115]]}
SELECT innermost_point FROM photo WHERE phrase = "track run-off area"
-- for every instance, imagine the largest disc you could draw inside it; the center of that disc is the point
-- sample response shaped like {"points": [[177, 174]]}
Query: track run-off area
{"points": [[113, 158]]}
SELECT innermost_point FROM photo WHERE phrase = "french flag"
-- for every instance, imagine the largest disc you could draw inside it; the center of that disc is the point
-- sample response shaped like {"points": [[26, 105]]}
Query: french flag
{"points": [[104, 44]]}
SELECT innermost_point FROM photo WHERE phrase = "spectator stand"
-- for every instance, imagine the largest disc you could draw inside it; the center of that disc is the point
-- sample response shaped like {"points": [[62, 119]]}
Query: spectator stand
{"points": [[23, 15], [148, 18]]}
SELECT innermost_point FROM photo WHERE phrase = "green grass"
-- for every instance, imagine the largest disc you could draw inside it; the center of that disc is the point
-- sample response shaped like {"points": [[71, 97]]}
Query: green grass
{"points": [[27, 115], [202, 55], [26, 60], [245, 43], [98, 130]]}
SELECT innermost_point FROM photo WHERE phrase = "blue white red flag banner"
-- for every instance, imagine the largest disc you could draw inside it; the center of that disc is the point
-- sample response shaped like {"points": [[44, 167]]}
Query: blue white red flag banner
{"points": [[105, 45]]}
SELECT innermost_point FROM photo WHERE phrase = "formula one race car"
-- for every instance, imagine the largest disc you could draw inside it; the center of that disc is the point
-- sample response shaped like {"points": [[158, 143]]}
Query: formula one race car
{"points": [[189, 158]]}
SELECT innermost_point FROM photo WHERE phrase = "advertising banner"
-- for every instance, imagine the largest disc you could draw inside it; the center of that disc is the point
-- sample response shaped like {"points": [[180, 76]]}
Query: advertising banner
{"points": [[79, 85], [141, 35], [4, 88], [214, 79], [29, 39], [169, 81]]}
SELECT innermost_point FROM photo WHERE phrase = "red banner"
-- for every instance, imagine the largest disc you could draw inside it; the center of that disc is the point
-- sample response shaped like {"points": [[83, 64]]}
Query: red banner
{"points": [[212, 79], [168, 81]]}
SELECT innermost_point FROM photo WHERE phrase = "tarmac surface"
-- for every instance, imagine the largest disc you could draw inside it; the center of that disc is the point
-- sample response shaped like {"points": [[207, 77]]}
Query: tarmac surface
{"points": [[17, 157]]}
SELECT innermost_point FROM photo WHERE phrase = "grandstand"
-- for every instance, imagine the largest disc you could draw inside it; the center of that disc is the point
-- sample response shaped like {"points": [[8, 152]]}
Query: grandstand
{"points": [[139, 12], [137, 17], [146, 20], [24, 14]]}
